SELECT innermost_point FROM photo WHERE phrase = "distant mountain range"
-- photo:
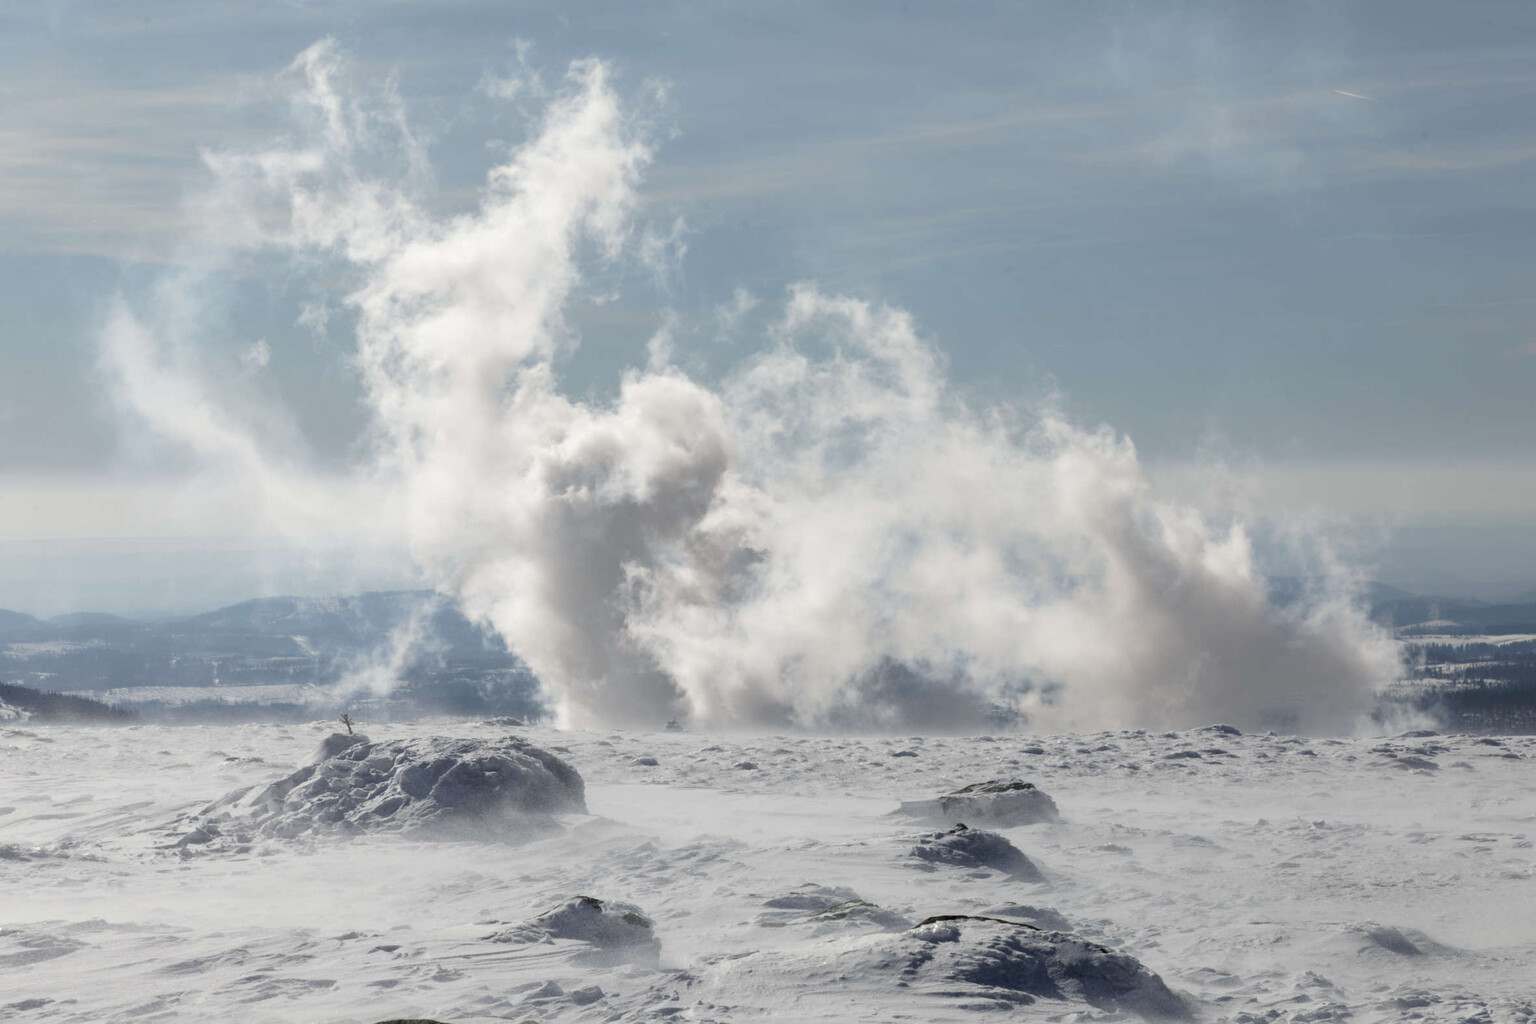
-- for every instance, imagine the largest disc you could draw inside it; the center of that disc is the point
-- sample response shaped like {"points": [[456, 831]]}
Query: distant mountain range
{"points": [[412, 643], [1411, 613], [1417, 613], [412, 648]]}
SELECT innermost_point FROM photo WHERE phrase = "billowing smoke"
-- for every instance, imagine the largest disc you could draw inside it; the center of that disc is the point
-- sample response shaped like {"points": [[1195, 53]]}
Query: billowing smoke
{"points": [[832, 535]]}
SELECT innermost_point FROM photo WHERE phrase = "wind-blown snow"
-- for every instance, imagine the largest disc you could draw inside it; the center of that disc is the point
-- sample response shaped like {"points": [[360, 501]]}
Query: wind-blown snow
{"points": [[831, 535], [1260, 877]]}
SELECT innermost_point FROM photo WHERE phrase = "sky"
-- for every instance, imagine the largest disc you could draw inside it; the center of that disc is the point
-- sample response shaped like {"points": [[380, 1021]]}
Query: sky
{"points": [[1286, 245]]}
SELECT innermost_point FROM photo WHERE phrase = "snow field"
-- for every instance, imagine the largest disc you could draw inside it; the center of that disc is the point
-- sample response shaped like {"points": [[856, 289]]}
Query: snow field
{"points": [[1263, 877]]}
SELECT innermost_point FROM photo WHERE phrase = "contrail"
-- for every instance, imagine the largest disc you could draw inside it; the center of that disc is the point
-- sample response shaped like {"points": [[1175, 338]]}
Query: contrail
{"points": [[1353, 95]]}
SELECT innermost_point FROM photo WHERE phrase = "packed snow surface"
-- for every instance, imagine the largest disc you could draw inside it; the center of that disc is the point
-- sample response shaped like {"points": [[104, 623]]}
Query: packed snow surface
{"points": [[1207, 874]]}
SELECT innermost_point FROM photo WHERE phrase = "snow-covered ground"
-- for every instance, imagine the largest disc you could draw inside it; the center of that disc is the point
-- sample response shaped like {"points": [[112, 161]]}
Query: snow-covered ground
{"points": [[1263, 877]]}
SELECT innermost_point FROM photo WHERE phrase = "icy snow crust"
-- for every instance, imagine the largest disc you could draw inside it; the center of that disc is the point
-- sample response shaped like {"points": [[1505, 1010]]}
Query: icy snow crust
{"points": [[1229, 877]]}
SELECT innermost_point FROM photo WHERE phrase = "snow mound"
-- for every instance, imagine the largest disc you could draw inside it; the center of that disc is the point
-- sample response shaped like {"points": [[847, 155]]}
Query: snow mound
{"points": [[11, 714], [975, 848], [452, 788], [828, 908], [603, 924], [1001, 803]]}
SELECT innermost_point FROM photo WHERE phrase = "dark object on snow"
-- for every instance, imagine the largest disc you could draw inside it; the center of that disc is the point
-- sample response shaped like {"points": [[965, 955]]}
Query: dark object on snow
{"points": [[976, 848], [435, 786], [674, 726], [1001, 803], [1018, 964]]}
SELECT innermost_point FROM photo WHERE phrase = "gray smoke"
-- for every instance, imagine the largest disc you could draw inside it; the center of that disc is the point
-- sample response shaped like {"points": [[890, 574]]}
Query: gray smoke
{"points": [[832, 536]]}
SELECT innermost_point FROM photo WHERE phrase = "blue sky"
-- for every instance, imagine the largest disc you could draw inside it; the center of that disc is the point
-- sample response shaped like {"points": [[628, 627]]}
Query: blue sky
{"points": [[1292, 237]]}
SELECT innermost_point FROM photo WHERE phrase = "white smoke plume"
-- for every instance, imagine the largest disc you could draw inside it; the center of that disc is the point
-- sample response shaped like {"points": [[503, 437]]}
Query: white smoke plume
{"points": [[832, 536]]}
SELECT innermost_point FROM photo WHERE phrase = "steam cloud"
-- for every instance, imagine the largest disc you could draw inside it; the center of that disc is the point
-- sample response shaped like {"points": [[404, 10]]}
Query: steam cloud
{"points": [[831, 536]]}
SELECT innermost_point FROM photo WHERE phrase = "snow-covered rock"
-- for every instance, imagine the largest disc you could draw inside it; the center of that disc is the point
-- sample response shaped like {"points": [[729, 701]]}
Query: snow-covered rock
{"points": [[1015, 963], [603, 924], [10, 714], [1000, 803], [435, 785], [975, 848], [958, 962]]}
